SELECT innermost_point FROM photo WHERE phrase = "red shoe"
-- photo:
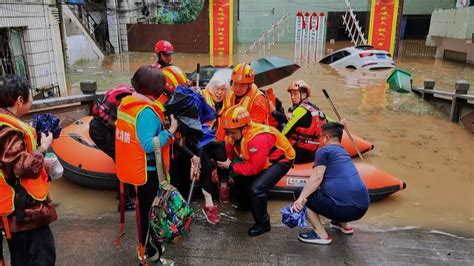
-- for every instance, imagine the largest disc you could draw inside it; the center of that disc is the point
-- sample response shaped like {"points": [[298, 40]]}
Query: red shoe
{"points": [[211, 214], [224, 194]]}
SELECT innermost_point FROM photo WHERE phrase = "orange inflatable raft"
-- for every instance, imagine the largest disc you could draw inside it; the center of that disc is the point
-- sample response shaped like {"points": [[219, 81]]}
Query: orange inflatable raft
{"points": [[83, 162], [379, 183], [363, 145], [87, 165]]}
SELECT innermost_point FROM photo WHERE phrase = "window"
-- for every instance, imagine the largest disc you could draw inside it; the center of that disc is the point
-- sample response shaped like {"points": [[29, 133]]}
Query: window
{"points": [[334, 57], [12, 56]]}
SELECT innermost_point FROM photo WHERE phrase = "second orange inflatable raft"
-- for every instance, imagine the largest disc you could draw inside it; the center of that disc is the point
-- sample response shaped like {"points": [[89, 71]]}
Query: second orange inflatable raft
{"points": [[380, 184]]}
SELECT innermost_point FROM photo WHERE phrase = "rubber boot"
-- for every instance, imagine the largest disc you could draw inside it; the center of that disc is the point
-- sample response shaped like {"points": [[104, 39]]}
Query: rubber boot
{"points": [[260, 215]]}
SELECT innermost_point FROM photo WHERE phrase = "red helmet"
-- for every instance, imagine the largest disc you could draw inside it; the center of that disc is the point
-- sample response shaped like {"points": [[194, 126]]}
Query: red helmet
{"points": [[164, 46]]}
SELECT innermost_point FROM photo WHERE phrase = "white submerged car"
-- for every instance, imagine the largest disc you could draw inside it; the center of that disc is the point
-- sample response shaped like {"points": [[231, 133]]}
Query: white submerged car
{"points": [[362, 57]]}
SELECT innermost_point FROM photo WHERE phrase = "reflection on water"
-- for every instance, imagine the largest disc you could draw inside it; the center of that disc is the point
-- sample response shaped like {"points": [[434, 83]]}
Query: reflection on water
{"points": [[412, 140], [79, 49]]}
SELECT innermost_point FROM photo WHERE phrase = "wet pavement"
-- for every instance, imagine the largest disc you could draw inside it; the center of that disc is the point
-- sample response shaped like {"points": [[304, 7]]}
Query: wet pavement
{"points": [[89, 240]]}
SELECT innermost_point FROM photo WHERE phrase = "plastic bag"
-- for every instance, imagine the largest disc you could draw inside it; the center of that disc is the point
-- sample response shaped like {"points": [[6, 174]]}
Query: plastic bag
{"points": [[53, 166], [291, 218]]}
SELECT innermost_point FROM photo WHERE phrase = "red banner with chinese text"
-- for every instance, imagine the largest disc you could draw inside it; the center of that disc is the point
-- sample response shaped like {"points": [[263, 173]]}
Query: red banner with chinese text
{"points": [[221, 29], [383, 24]]}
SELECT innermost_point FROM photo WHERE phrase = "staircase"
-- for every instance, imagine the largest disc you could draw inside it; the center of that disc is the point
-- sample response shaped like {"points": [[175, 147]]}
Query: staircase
{"points": [[352, 26], [96, 28]]}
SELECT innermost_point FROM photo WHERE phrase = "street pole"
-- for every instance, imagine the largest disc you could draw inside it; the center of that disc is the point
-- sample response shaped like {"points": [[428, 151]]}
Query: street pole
{"points": [[62, 34], [399, 27]]}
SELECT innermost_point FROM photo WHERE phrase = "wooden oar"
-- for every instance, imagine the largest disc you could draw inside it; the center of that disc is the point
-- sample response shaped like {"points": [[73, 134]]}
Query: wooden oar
{"points": [[345, 127]]}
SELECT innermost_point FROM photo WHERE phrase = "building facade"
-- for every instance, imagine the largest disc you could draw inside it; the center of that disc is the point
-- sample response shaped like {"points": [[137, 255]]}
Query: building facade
{"points": [[253, 17], [452, 32], [256, 16], [30, 43]]}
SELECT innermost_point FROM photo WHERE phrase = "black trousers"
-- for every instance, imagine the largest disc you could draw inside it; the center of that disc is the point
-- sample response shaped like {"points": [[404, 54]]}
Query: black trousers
{"points": [[146, 194], [304, 156], [104, 138], [180, 167], [216, 151], [252, 190], [33, 247]]}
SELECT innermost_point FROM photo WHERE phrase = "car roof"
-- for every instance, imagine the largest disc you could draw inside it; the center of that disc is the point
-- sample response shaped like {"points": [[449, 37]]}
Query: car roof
{"points": [[356, 49], [364, 47]]}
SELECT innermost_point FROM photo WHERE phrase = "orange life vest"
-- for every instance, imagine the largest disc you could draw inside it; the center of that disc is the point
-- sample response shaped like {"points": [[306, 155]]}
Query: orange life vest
{"points": [[308, 138], [131, 162], [248, 100], [220, 132], [37, 188], [271, 98], [254, 129]]}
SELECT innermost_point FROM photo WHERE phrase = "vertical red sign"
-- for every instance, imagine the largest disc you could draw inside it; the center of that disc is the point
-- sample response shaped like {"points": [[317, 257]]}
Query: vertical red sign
{"points": [[221, 19], [383, 24]]}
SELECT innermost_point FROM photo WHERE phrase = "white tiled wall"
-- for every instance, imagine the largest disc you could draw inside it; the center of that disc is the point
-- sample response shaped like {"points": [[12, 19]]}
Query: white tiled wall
{"points": [[41, 37]]}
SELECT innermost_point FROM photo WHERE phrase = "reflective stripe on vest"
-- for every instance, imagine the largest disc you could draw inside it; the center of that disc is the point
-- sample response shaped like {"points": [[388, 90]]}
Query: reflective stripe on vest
{"points": [[248, 99], [131, 163], [308, 138], [37, 188], [282, 143]]}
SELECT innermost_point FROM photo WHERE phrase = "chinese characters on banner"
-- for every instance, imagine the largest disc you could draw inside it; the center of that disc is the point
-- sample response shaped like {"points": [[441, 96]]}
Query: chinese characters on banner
{"points": [[221, 19], [383, 24]]}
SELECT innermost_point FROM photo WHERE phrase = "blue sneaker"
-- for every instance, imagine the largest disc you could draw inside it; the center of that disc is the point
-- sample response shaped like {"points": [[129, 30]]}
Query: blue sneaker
{"points": [[313, 238]]}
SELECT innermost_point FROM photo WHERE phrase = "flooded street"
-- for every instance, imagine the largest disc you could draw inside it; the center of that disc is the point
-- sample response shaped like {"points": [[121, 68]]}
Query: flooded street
{"points": [[413, 141]]}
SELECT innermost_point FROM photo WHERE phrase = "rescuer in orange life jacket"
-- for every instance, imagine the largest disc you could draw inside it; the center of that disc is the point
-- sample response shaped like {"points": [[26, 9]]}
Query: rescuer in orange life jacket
{"points": [[260, 156], [184, 152], [24, 185], [245, 93], [304, 124], [140, 118]]}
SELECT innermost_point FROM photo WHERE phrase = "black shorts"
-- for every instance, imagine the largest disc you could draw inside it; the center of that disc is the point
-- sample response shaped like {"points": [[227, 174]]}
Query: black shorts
{"points": [[325, 206]]}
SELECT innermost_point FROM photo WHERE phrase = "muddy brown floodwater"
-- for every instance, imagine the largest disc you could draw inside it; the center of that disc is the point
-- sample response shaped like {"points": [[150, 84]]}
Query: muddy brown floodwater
{"points": [[413, 141]]}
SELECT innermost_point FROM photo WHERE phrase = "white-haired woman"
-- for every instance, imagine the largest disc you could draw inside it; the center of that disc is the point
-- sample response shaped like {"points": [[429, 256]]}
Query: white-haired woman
{"points": [[216, 95]]}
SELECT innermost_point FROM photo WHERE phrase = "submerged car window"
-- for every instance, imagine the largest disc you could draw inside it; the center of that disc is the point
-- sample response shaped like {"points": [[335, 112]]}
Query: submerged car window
{"points": [[334, 57], [338, 56], [326, 60]]}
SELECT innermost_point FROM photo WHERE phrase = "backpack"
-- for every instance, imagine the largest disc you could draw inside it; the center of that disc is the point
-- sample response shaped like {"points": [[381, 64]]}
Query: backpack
{"points": [[170, 215], [105, 108]]}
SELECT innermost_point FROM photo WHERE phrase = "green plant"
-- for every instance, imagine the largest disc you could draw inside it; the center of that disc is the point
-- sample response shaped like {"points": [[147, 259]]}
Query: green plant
{"points": [[186, 12]]}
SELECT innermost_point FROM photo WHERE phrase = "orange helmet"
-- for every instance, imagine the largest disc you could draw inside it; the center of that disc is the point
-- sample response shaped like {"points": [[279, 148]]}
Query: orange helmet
{"points": [[243, 73], [174, 77], [236, 117], [301, 86]]}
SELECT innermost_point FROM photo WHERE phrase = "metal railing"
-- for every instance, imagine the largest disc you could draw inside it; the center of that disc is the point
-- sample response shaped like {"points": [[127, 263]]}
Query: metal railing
{"points": [[416, 48], [96, 32], [267, 40], [352, 26]]}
